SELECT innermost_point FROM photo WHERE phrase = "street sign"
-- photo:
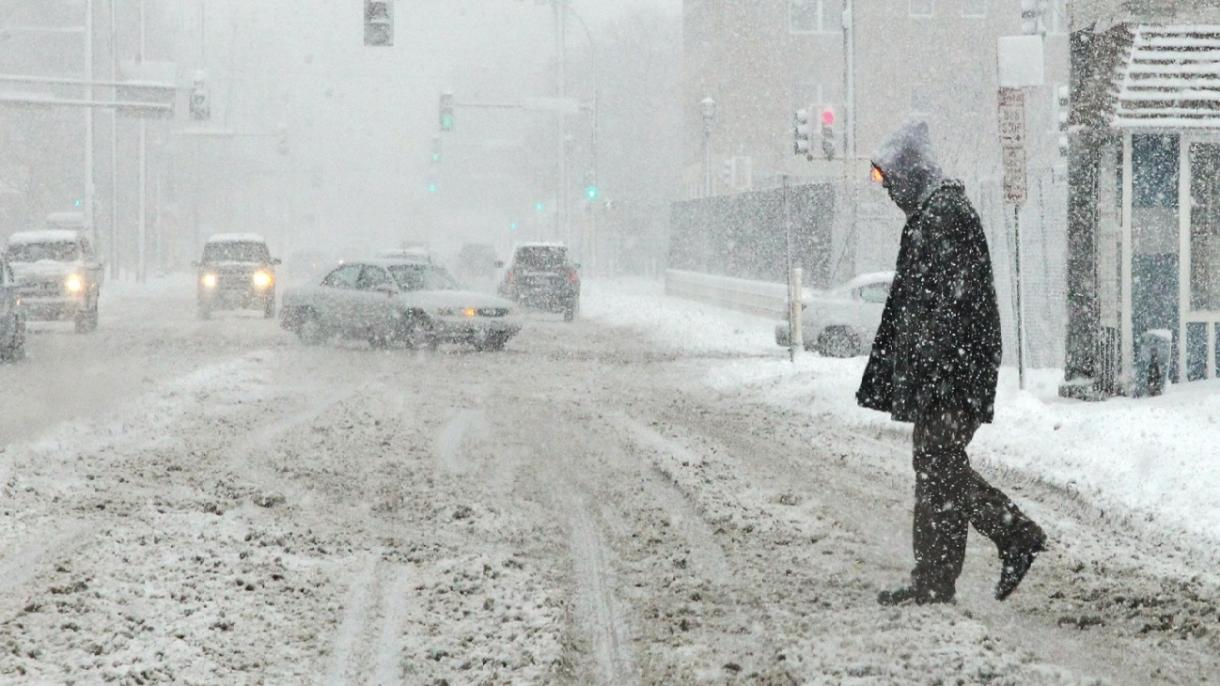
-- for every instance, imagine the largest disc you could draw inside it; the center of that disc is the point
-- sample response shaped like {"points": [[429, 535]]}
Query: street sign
{"points": [[1012, 144], [1014, 175], [1012, 117]]}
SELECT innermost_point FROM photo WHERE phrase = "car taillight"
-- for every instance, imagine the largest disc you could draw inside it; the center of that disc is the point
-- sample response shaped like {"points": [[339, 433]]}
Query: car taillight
{"points": [[509, 276], [573, 277]]}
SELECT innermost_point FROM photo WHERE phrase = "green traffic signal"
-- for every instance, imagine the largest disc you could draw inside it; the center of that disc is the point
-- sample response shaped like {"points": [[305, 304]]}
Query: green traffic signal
{"points": [[447, 122], [592, 191], [540, 206], [432, 187], [514, 226]]}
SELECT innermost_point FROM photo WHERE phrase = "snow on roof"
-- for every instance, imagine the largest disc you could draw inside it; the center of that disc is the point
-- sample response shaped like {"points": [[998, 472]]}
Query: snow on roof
{"points": [[236, 238], [46, 236], [1170, 78]]}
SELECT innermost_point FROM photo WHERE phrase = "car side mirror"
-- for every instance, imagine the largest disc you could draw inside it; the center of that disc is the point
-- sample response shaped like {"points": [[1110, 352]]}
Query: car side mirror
{"points": [[577, 265], [387, 289], [499, 264], [275, 262]]}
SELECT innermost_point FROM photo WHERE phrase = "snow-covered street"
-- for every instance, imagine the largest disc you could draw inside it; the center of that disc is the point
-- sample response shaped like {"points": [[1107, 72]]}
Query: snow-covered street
{"points": [[211, 502]]}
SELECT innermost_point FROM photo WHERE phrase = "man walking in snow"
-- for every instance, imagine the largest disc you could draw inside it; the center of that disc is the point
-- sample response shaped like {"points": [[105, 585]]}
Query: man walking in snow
{"points": [[934, 363]]}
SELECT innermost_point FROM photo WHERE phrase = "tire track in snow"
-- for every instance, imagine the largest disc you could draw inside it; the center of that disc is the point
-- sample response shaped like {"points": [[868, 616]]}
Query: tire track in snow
{"points": [[705, 551], [388, 659], [597, 605], [344, 661], [450, 445], [23, 566]]}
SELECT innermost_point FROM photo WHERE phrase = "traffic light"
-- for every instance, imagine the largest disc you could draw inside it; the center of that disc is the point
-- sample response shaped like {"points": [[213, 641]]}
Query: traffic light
{"points": [[540, 207], [592, 192], [201, 103], [728, 172], [281, 140], [1033, 16], [828, 132], [514, 225], [379, 23], [433, 186], [446, 112], [801, 132], [1063, 105], [436, 150]]}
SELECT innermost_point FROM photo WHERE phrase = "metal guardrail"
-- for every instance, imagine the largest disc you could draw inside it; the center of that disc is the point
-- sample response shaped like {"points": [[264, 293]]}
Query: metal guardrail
{"points": [[759, 298]]}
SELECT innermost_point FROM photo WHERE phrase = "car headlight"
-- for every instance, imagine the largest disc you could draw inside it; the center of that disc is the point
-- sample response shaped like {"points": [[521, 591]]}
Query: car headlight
{"points": [[470, 313], [262, 279], [74, 284], [208, 281], [445, 312]]}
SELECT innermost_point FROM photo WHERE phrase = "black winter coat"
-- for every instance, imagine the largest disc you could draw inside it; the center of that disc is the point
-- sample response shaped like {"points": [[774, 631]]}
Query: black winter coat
{"points": [[939, 339]]}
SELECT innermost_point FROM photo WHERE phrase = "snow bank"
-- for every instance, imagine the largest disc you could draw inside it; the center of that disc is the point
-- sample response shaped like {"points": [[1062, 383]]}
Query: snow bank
{"points": [[1154, 456]]}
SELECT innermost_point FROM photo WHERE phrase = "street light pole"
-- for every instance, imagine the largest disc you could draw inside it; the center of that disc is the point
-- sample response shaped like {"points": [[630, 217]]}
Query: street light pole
{"points": [[561, 199], [141, 265], [591, 251], [114, 141], [90, 226]]}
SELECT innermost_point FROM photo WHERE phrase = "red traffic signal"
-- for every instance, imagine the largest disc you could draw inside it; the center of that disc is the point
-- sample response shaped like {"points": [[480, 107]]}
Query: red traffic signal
{"points": [[828, 117]]}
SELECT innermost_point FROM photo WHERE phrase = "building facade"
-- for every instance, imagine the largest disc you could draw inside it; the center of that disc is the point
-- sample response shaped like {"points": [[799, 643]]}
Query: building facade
{"points": [[1144, 269]]}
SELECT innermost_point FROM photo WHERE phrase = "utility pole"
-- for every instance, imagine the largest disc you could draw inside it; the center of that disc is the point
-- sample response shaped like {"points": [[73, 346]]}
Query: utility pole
{"points": [[114, 141], [561, 210], [90, 225], [141, 265]]}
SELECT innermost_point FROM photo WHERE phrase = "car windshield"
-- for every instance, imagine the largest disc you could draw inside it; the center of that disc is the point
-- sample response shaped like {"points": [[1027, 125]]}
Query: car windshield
{"points": [[236, 251], [542, 257], [55, 251], [412, 277]]}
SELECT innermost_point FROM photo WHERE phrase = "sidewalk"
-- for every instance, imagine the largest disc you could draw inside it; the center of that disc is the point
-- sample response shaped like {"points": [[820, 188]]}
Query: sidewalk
{"points": [[1155, 457]]}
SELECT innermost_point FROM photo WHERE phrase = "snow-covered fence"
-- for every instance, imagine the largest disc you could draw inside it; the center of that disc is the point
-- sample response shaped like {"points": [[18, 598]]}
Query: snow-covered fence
{"points": [[761, 298]]}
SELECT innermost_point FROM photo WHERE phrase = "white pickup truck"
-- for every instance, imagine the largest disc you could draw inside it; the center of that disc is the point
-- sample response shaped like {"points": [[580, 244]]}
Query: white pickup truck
{"points": [[842, 321]]}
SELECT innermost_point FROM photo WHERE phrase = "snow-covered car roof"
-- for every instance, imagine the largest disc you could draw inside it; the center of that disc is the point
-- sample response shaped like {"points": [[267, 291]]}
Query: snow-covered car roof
{"points": [[236, 238], [45, 236], [405, 253], [866, 279], [395, 262]]}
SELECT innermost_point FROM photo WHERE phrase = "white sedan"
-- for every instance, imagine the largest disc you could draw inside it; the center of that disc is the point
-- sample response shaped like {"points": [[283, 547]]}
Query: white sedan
{"points": [[387, 301], [842, 322]]}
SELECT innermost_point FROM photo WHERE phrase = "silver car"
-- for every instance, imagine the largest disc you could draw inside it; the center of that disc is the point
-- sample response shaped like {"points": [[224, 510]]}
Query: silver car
{"points": [[387, 301], [842, 322]]}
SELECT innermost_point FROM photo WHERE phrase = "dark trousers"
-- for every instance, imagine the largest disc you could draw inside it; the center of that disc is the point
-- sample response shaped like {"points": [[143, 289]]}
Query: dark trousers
{"points": [[950, 496]]}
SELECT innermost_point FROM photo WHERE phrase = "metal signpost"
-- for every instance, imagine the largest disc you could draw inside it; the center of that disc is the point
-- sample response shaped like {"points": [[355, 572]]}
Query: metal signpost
{"points": [[795, 342], [1012, 145]]}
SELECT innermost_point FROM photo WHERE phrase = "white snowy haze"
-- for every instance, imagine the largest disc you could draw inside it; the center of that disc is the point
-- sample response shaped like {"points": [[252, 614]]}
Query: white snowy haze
{"points": [[297, 387], [361, 121]]}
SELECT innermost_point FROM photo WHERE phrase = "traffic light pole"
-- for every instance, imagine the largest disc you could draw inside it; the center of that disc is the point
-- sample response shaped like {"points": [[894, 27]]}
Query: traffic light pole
{"points": [[561, 214], [90, 224]]}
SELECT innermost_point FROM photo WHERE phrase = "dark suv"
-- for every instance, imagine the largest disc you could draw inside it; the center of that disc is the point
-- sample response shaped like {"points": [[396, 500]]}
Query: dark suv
{"points": [[237, 272], [542, 276]]}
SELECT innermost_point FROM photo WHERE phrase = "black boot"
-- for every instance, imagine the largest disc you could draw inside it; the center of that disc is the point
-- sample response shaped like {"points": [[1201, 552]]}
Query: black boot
{"points": [[913, 594], [1015, 561]]}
